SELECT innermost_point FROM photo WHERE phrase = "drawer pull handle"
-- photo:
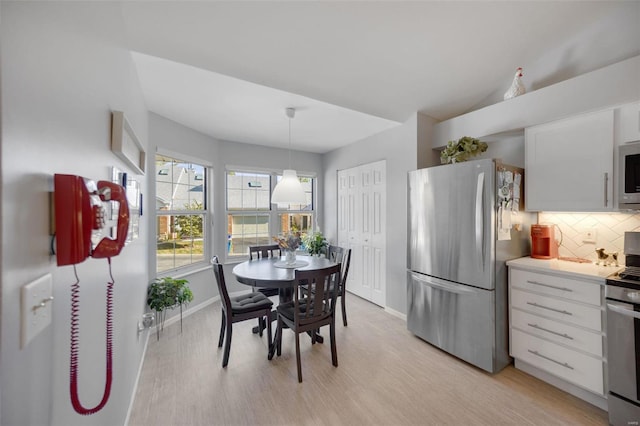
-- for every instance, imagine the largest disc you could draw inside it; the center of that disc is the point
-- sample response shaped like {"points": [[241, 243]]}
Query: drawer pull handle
{"points": [[564, 364], [566, 336], [550, 286], [550, 309]]}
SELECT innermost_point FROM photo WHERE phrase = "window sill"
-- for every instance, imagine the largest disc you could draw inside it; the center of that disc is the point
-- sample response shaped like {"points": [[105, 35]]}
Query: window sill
{"points": [[180, 273]]}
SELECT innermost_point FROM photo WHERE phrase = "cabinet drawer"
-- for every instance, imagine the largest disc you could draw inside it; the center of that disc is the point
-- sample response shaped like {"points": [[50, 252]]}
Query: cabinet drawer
{"points": [[552, 285], [557, 332], [581, 315], [582, 370]]}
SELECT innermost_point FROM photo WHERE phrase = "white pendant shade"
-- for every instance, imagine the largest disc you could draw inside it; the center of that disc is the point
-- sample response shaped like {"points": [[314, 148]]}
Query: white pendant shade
{"points": [[289, 190]]}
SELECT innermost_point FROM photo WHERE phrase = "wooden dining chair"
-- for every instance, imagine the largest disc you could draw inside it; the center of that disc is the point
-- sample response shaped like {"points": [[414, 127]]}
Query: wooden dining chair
{"points": [[342, 256], [239, 308], [258, 252], [310, 310]]}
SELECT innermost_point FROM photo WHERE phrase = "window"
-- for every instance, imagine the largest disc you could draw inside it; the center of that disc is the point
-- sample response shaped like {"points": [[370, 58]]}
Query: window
{"points": [[181, 213], [251, 220]]}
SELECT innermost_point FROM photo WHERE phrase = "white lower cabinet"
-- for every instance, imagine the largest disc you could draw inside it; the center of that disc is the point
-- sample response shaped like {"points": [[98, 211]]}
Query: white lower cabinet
{"points": [[562, 361], [556, 326]]}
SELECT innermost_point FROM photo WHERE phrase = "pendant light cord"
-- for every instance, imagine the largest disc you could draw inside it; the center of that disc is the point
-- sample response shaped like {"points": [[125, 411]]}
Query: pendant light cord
{"points": [[289, 142]]}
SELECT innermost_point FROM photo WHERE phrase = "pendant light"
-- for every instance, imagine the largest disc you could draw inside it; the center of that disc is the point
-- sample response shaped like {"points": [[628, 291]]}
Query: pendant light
{"points": [[289, 190]]}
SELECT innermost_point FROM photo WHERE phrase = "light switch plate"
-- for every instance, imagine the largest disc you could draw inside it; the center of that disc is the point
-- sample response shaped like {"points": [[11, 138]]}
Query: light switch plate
{"points": [[36, 308]]}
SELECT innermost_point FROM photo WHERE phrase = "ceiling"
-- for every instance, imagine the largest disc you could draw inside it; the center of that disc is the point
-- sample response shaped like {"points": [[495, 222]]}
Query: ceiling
{"points": [[356, 68]]}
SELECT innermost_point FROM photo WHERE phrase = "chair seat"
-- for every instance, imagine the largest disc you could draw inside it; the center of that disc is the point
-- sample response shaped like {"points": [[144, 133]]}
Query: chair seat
{"points": [[269, 291], [250, 302], [287, 310]]}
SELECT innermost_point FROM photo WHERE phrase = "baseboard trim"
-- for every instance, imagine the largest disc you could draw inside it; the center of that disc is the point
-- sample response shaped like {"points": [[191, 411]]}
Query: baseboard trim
{"points": [[395, 313], [592, 398], [193, 309], [135, 383], [189, 311]]}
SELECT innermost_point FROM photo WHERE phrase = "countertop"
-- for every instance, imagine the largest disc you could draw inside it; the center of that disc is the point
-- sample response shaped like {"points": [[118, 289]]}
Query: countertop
{"points": [[564, 267]]}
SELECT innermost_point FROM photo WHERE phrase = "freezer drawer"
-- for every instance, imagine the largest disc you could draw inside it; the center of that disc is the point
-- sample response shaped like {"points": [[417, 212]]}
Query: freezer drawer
{"points": [[456, 318]]}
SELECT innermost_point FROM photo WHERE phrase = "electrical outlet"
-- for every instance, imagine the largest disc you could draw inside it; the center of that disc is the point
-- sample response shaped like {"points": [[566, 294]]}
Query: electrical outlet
{"points": [[590, 235], [36, 298]]}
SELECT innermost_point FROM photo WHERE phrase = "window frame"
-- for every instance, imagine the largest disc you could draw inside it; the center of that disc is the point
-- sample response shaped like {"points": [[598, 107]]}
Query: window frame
{"points": [[273, 212], [208, 234]]}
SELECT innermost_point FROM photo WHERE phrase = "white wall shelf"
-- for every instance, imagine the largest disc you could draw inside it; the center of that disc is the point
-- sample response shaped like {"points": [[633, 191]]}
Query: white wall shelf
{"points": [[610, 86]]}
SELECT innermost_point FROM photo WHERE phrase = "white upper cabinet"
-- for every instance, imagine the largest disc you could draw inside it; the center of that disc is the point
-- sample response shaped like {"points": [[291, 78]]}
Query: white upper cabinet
{"points": [[569, 164], [628, 125]]}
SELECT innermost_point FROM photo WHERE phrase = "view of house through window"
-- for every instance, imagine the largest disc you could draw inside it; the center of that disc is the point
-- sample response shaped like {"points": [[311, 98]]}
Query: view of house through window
{"points": [[181, 205], [250, 217]]}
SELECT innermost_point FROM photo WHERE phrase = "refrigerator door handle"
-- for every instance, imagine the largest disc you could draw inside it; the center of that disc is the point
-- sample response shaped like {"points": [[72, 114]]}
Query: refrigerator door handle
{"points": [[442, 285], [480, 219]]}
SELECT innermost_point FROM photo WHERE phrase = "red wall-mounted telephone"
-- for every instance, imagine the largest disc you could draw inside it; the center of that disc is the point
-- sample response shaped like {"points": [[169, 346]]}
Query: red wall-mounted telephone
{"points": [[79, 219], [80, 216]]}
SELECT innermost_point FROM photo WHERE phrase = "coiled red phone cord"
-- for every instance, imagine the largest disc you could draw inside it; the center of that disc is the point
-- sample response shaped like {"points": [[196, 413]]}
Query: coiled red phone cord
{"points": [[73, 378]]}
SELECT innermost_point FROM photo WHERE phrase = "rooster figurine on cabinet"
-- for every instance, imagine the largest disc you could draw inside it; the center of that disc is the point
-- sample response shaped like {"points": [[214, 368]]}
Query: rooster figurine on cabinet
{"points": [[517, 88]]}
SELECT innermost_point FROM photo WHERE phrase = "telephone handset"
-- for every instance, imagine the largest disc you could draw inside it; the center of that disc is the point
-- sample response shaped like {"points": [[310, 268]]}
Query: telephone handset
{"points": [[108, 247], [80, 218]]}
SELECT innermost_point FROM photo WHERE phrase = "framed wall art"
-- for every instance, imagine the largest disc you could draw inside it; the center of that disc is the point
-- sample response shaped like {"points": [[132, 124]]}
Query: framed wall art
{"points": [[125, 144], [134, 200]]}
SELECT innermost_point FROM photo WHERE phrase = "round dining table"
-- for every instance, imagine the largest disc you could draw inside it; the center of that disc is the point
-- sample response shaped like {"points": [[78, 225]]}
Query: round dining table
{"points": [[272, 272]]}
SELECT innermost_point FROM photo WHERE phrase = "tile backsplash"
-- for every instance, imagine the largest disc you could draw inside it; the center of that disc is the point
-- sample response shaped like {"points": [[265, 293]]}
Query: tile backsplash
{"points": [[609, 232]]}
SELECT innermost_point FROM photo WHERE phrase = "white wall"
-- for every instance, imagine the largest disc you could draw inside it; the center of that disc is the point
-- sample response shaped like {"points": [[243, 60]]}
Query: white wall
{"points": [[168, 135], [62, 75], [399, 147]]}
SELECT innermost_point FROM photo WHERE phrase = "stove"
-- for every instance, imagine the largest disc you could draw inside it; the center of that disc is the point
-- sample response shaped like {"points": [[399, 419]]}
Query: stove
{"points": [[623, 337]]}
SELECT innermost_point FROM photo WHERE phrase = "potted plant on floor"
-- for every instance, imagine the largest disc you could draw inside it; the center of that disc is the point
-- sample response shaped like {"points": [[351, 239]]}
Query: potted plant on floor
{"points": [[167, 293]]}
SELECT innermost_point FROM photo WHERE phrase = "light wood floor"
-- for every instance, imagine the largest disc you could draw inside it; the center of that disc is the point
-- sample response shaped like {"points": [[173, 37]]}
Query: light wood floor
{"points": [[386, 376]]}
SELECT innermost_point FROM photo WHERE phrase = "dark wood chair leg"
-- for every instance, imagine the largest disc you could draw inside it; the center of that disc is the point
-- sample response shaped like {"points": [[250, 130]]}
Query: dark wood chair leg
{"points": [[260, 326], [298, 357], [222, 327], [334, 351], [344, 311], [269, 341], [227, 345], [279, 337]]}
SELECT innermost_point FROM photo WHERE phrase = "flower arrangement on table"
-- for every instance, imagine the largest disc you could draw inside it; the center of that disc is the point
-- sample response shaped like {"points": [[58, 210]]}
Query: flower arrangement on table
{"points": [[289, 242]]}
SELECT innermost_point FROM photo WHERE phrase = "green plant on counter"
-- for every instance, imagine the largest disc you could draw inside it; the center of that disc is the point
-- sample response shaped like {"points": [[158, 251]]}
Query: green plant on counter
{"points": [[167, 293], [315, 243], [462, 150]]}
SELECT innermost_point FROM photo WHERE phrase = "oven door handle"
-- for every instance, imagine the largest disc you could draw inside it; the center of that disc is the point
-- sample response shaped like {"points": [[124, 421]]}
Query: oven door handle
{"points": [[623, 311]]}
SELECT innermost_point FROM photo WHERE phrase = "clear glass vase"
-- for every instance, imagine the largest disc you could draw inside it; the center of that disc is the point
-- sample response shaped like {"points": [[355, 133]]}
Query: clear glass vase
{"points": [[290, 257]]}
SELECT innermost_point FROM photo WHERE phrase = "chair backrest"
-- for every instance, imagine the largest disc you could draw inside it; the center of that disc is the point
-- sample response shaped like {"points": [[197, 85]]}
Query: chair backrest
{"points": [[342, 256], [318, 301], [218, 272], [271, 250]]}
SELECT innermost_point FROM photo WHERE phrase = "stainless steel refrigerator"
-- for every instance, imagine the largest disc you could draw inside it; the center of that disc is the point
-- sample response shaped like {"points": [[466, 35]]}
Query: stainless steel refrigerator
{"points": [[465, 220]]}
